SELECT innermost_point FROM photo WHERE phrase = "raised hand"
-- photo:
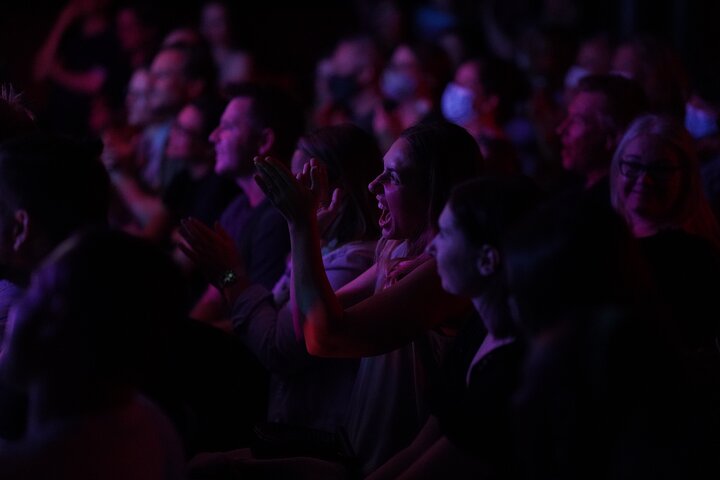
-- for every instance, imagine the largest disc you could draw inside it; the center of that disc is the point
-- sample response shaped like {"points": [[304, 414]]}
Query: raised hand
{"points": [[295, 200], [211, 250], [314, 176]]}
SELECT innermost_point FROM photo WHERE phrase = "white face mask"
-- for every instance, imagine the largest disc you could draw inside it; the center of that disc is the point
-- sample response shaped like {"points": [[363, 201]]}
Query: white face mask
{"points": [[700, 123], [457, 104]]}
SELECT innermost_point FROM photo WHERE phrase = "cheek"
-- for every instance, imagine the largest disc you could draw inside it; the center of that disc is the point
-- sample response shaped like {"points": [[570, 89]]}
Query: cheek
{"points": [[406, 207]]}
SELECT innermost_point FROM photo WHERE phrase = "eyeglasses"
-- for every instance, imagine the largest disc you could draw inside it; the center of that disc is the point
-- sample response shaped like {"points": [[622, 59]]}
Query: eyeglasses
{"points": [[633, 170]]}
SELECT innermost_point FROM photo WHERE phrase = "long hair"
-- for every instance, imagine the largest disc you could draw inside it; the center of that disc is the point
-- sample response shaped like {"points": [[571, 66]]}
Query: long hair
{"points": [[445, 155], [352, 159], [692, 211]]}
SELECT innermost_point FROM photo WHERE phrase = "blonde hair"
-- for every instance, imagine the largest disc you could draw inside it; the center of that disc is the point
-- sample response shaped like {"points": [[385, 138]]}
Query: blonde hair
{"points": [[692, 212]]}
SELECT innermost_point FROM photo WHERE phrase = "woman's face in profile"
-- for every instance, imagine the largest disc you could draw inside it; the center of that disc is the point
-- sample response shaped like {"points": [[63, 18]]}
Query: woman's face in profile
{"points": [[650, 177], [403, 205]]}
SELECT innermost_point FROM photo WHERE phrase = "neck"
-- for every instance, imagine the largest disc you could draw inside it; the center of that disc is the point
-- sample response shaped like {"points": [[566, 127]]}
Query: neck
{"points": [[251, 189], [198, 170], [492, 307]]}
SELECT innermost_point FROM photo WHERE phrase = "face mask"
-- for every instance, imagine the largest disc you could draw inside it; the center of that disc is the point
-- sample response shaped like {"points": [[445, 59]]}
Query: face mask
{"points": [[397, 85], [574, 74], [700, 123], [457, 104], [622, 73], [343, 88]]}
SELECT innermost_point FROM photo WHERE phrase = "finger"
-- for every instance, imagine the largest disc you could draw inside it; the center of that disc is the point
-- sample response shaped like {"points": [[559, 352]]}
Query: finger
{"points": [[282, 175], [188, 252], [337, 197]]}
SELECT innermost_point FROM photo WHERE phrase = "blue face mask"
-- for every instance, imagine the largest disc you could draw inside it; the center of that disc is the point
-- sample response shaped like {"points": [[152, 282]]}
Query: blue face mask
{"points": [[397, 85], [457, 104], [700, 123]]}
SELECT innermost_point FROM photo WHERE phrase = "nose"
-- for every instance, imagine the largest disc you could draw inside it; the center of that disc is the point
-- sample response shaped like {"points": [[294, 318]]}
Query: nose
{"points": [[373, 186], [214, 135]]}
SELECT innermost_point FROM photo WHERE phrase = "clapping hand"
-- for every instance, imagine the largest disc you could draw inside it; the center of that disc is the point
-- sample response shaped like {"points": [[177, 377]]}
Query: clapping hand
{"points": [[213, 251]]}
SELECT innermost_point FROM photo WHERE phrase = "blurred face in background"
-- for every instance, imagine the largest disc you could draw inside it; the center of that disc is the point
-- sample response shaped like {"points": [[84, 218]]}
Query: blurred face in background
{"points": [[186, 140], [137, 100]]}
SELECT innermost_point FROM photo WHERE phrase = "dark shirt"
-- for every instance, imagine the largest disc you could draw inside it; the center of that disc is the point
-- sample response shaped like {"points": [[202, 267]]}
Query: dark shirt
{"points": [[686, 269], [204, 199], [261, 236]]}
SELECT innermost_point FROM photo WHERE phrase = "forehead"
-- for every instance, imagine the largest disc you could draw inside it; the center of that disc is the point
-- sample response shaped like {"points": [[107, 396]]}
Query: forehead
{"points": [[239, 109], [447, 218], [190, 117], [403, 57], [587, 103], [168, 60], [398, 156], [651, 148], [468, 74]]}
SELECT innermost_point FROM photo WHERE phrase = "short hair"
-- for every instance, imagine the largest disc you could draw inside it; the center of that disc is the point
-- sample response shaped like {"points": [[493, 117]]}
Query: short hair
{"points": [[353, 159], [118, 303], [692, 211], [501, 78], [60, 182], [273, 108], [485, 207], [198, 64], [211, 110], [15, 119], [625, 99]]}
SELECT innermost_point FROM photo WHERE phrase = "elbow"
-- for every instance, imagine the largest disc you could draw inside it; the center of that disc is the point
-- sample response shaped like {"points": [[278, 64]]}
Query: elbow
{"points": [[315, 342]]}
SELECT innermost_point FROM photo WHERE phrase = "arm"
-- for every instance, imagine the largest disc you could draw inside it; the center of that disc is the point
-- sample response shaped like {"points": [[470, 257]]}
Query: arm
{"points": [[148, 210], [381, 323], [46, 57], [88, 83]]}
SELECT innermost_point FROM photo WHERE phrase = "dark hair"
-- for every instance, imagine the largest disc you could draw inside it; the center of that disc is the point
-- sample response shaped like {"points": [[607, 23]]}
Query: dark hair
{"points": [[353, 159], [446, 154], [211, 110], [15, 119], [116, 298], [273, 108], [502, 79], [60, 182], [485, 207], [571, 256], [198, 63], [624, 98]]}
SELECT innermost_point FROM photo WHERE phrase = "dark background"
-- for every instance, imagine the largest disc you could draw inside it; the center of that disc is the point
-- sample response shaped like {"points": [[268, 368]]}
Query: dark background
{"points": [[288, 37]]}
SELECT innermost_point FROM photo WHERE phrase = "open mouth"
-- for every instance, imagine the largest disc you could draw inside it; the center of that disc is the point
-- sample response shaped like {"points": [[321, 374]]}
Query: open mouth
{"points": [[385, 218]]}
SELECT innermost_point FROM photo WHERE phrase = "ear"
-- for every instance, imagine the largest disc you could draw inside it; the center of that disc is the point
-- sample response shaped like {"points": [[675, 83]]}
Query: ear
{"points": [[488, 260], [21, 229], [267, 142]]}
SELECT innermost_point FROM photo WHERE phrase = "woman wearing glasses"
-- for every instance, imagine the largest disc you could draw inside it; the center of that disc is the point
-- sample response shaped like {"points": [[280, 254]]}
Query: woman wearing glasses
{"points": [[655, 186]]}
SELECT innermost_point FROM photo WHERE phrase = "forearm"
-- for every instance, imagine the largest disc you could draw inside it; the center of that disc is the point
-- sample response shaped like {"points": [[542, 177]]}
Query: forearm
{"points": [[267, 331], [143, 207], [87, 83], [316, 307]]}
